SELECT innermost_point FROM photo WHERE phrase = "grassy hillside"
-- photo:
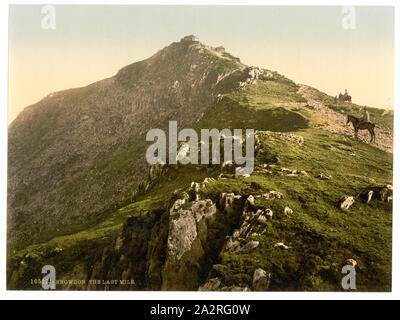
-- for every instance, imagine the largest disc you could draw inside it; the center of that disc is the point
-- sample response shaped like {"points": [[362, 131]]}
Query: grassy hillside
{"points": [[320, 234], [378, 116]]}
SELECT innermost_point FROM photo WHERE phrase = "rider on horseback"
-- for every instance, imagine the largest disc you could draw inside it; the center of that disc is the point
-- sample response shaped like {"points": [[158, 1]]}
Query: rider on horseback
{"points": [[362, 124], [365, 118]]}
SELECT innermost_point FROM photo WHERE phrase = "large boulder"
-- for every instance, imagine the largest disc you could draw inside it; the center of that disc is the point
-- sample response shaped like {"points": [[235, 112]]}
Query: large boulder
{"points": [[187, 242]]}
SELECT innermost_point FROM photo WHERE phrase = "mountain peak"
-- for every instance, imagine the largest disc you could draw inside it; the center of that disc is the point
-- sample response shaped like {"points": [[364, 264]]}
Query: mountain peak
{"points": [[190, 38], [219, 50]]}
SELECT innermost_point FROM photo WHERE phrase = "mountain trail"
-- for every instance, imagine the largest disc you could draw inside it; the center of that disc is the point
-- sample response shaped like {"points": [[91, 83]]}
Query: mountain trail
{"points": [[336, 122]]}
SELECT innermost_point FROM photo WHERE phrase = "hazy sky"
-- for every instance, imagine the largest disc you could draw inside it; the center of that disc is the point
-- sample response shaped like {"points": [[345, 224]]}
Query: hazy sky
{"points": [[307, 44]]}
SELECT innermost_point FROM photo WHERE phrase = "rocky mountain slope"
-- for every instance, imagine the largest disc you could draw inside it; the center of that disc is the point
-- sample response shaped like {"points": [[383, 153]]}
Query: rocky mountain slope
{"points": [[79, 154], [318, 199]]}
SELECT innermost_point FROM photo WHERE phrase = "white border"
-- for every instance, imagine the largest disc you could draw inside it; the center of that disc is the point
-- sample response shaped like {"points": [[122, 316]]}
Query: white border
{"points": [[125, 295]]}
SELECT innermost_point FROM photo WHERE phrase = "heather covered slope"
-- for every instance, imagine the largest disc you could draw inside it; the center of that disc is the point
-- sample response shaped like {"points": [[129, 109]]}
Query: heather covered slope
{"points": [[228, 232], [78, 155]]}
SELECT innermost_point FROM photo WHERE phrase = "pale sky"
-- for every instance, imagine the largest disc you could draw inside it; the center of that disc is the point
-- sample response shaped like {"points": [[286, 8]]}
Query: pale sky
{"points": [[306, 44]]}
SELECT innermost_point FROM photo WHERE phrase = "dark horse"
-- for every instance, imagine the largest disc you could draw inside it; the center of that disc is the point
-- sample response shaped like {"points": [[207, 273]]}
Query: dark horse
{"points": [[359, 125]]}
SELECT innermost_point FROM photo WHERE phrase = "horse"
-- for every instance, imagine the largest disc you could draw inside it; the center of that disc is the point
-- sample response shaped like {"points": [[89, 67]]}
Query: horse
{"points": [[344, 97], [358, 124]]}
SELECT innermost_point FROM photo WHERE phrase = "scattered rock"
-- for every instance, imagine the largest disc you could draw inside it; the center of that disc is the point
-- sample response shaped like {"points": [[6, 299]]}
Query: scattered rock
{"points": [[236, 234], [211, 285], [323, 176], [208, 180], [266, 213], [291, 138], [245, 228], [273, 195], [262, 218], [370, 194], [351, 262], [250, 246], [253, 74], [232, 245], [261, 280], [288, 211], [250, 202], [347, 203], [281, 245]]}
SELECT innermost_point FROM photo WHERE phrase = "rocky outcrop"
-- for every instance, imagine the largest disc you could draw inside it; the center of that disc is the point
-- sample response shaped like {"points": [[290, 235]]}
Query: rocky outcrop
{"points": [[254, 74], [197, 231], [261, 280], [189, 241], [184, 224]]}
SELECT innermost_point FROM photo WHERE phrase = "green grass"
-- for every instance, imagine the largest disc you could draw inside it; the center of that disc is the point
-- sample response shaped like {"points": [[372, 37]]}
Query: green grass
{"points": [[321, 235], [263, 106], [221, 64]]}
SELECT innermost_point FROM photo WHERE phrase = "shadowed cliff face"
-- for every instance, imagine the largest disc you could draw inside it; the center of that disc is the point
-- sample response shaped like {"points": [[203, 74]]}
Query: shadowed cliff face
{"points": [[78, 154]]}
